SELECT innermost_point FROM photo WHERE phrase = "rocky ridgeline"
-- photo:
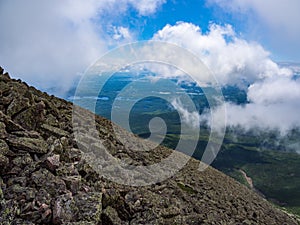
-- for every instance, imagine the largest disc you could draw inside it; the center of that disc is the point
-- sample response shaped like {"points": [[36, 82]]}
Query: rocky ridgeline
{"points": [[45, 180]]}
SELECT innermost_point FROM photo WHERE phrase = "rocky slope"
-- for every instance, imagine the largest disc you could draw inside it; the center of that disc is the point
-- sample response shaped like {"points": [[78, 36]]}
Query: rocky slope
{"points": [[45, 180]]}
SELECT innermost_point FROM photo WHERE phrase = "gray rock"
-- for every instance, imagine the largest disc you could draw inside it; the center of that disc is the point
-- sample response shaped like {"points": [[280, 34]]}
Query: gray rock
{"points": [[73, 183], [32, 145], [5, 77], [22, 161], [3, 147], [45, 179], [64, 209], [17, 105], [110, 216], [53, 162], [90, 206], [4, 162], [54, 130], [11, 126], [3, 133], [27, 119]]}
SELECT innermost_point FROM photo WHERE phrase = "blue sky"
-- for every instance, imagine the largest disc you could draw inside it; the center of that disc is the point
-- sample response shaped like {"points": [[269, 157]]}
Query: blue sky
{"points": [[247, 22], [193, 11]]}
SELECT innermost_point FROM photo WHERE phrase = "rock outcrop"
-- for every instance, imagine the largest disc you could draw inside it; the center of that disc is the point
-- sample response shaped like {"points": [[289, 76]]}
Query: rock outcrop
{"points": [[45, 180]]}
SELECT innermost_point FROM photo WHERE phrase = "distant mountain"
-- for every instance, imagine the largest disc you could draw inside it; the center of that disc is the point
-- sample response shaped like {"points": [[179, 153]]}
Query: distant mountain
{"points": [[44, 178]]}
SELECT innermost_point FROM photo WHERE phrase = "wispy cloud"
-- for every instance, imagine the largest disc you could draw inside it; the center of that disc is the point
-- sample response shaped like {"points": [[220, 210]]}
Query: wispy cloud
{"points": [[191, 119]]}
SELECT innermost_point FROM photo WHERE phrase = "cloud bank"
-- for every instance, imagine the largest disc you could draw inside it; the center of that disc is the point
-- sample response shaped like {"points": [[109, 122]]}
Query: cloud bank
{"points": [[272, 91], [47, 43], [232, 59]]}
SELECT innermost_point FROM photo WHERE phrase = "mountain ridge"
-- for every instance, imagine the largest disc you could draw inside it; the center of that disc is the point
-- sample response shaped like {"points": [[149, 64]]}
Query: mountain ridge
{"points": [[44, 178]]}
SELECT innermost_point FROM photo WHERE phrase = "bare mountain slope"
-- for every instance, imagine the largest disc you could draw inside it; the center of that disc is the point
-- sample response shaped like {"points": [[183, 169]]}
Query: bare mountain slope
{"points": [[45, 180]]}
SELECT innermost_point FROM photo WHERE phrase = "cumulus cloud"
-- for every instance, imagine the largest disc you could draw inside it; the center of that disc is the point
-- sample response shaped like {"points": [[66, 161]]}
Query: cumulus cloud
{"points": [[232, 59], [47, 43], [272, 92]]}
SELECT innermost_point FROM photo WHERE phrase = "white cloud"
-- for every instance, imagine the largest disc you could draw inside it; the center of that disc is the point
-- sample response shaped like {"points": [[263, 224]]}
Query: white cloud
{"points": [[146, 7], [275, 91], [273, 94], [47, 43], [121, 33], [232, 59], [191, 119], [274, 105]]}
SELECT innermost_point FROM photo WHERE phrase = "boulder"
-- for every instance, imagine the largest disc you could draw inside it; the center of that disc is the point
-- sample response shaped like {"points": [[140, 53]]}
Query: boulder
{"points": [[110, 216], [57, 132], [45, 179], [53, 162], [90, 206], [17, 105], [73, 183], [64, 210], [32, 145], [4, 149]]}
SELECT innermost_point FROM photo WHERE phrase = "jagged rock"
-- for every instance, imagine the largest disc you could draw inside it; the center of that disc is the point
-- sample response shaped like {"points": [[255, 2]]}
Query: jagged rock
{"points": [[4, 91], [32, 145], [54, 130], [30, 118], [67, 169], [3, 147], [18, 192], [27, 134], [45, 179], [90, 206], [8, 211], [64, 209], [74, 154], [73, 183], [22, 222], [5, 77], [22, 161], [46, 213], [4, 162], [17, 105], [43, 197], [110, 217], [51, 120], [80, 223], [53, 162], [17, 180], [10, 125], [111, 197]]}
